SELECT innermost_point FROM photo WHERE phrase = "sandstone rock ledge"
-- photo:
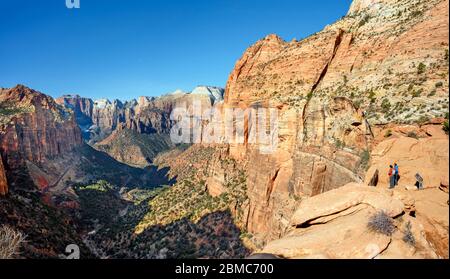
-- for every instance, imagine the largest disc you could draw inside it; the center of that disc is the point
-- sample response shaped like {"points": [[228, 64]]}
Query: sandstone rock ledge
{"points": [[334, 225]]}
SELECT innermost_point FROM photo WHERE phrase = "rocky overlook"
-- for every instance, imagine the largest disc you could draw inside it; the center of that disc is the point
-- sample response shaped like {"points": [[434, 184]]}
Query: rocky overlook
{"points": [[385, 61]]}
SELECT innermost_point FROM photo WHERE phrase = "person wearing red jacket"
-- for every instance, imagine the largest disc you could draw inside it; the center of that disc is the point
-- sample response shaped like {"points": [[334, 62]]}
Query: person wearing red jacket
{"points": [[391, 177]]}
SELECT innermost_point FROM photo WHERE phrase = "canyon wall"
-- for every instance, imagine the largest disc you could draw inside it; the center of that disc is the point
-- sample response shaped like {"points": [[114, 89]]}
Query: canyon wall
{"points": [[3, 179], [147, 115], [34, 128], [386, 61]]}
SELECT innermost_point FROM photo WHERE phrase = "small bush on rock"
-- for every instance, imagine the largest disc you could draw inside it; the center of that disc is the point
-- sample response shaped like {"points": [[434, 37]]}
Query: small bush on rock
{"points": [[382, 223], [408, 236]]}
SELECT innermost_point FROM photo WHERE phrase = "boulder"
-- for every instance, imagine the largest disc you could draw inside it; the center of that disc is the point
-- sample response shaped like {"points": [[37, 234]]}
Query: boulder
{"points": [[334, 225], [345, 200]]}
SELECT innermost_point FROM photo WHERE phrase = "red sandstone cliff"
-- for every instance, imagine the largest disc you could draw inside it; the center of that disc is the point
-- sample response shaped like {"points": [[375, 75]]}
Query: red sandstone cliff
{"points": [[34, 128], [3, 180], [385, 61]]}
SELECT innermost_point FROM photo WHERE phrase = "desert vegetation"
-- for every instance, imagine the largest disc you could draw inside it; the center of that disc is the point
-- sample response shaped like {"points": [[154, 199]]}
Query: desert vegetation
{"points": [[382, 223], [10, 242]]}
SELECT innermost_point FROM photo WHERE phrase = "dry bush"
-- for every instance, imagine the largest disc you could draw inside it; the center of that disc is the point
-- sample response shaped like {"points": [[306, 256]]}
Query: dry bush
{"points": [[382, 223], [408, 236], [10, 241]]}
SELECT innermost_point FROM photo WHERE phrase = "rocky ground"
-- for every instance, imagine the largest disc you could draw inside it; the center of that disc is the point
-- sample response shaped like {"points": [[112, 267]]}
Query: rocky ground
{"points": [[335, 224]]}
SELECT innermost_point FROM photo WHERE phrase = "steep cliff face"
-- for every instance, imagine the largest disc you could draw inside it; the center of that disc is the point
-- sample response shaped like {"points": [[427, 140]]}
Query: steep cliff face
{"points": [[395, 50], [35, 127], [3, 179], [361, 5], [83, 109], [368, 68]]}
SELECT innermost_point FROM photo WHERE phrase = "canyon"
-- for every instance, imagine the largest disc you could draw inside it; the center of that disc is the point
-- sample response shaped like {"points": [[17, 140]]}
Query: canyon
{"points": [[367, 91]]}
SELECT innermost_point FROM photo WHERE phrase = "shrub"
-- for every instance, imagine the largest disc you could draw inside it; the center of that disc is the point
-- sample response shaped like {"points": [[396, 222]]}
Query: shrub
{"points": [[423, 119], [10, 242], [364, 159], [339, 144], [416, 13], [417, 93], [421, 68], [380, 222], [412, 135], [364, 20], [432, 93], [388, 133], [439, 84], [385, 105], [445, 124], [408, 236]]}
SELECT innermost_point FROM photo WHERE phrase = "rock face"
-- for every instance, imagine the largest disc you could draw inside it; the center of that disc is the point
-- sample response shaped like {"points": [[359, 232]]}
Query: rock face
{"points": [[3, 179], [147, 115], [214, 93], [335, 225], [427, 155], [361, 5], [37, 127], [330, 89], [83, 109]]}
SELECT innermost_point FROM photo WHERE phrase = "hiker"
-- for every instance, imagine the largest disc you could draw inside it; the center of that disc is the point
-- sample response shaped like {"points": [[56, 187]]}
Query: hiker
{"points": [[419, 181], [396, 174], [391, 177]]}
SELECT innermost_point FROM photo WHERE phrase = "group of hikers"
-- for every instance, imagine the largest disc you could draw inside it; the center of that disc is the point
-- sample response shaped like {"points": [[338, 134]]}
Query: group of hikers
{"points": [[394, 176]]}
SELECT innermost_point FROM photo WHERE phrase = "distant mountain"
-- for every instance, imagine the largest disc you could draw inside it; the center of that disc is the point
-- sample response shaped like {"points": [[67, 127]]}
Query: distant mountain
{"points": [[100, 118]]}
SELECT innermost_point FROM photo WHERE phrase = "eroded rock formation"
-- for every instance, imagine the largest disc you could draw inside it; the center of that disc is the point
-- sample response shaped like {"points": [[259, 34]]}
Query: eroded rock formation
{"points": [[3, 179], [330, 89], [37, 127]]}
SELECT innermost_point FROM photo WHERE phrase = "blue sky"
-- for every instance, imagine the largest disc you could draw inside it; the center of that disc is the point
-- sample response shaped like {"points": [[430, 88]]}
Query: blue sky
{"points": [[129, 48]]}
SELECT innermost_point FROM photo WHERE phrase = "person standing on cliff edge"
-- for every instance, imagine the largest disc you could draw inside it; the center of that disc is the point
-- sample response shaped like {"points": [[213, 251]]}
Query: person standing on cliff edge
{"points": [[396, 174], [391, 177]]}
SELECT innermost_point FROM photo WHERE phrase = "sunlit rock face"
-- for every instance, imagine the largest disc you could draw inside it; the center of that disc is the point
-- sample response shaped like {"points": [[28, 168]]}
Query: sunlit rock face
{"points": [[39, 128], [385, 61]]}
